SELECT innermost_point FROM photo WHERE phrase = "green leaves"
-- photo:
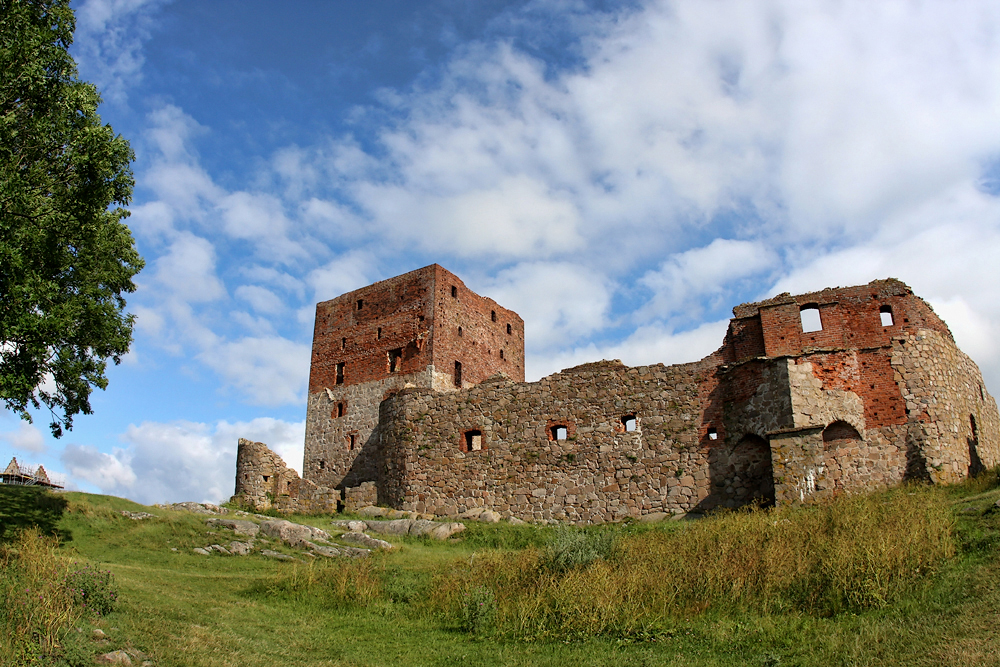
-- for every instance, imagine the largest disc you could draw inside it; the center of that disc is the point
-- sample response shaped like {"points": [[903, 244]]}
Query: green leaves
{"points": [[66, 256]]}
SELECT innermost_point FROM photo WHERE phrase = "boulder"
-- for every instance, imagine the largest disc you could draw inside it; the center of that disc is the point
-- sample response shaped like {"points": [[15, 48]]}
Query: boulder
{"points": [[203, 552], [514, 521], [394, 527], [138, 516], [115, 658], [446, 530], [247, 528], [267, 553], [472, 514], [354, 525], [489, 516], [221, 549], [653, 517], [241, 548], [365, 541], [372, 511], [292, 534]]}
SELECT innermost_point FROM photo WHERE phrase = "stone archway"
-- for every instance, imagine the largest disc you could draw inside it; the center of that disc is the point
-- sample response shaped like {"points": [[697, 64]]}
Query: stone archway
{"points": [[843, 457]]}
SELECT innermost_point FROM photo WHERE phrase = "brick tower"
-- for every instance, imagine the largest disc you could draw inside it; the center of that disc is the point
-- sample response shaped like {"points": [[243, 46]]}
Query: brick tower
{"points": [[422, 329]]}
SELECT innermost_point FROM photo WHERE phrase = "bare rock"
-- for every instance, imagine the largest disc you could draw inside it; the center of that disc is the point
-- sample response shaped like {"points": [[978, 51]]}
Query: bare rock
{"points": [[472, 514], [293, 534], [267, 553], [247, 528], [514, 521], [203, 552], [489, 516], [221, 549], [98, 634], [115, 658], [365, 541], [372, 511], [446, 530], [354, 525], [241, 548], [394, 527], [138, 516], [654, 517]]}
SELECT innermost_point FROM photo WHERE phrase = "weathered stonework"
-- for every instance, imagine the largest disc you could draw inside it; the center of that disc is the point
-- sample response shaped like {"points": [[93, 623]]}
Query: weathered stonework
{"points": [[264, 481], [877, 394]]}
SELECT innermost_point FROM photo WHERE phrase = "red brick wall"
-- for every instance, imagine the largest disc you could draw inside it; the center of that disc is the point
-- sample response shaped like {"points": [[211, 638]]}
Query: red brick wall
{"points": [[867, 373], [479, 346], [395, 314]]}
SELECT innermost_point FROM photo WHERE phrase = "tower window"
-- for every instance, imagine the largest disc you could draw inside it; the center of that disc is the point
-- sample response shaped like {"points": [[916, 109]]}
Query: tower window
{"points": [[361, 304], [712, 433], [508, 329], [378, 334], [454, 292], [885, 313], [558, 432], [340, 373], [501, 354], [810, 319], [473, 440], [458, 373], [493, 315], [460, 331], [351, 441], [629, 423], [343, 343], [341, 409], [395, 357]]}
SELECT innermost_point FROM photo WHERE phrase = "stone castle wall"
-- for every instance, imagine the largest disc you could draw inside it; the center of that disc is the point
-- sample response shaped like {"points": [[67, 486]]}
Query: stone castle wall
{"points": [[264, 481]]}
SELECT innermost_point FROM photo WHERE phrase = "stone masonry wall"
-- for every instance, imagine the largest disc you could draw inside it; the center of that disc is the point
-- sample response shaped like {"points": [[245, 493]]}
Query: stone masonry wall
{"points": [[600, 472], [264, 481]]}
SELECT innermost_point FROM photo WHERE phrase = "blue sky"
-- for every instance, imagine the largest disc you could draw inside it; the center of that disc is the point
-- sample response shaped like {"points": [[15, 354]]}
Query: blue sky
{"points": [[619, 173]]}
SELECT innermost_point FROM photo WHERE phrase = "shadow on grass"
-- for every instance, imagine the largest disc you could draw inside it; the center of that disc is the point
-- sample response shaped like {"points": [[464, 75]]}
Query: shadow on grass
{"points": [[25, 506]]}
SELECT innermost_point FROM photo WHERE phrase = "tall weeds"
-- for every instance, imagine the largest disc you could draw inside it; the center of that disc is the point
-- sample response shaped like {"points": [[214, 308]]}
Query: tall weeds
{"points": [[36, 608], [852, 554]]}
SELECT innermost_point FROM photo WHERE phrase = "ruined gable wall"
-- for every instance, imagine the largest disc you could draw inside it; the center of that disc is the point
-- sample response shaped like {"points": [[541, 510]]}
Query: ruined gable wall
{"points": [[264, 481], [484, 335], [600, 473]]}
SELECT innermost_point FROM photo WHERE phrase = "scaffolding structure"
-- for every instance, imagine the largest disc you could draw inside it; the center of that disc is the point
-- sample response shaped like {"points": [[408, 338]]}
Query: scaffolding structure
{"points": [[26, 475]]}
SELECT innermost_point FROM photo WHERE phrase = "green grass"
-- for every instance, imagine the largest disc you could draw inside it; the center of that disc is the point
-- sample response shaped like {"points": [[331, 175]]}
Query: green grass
{"points": [[732, 604]]}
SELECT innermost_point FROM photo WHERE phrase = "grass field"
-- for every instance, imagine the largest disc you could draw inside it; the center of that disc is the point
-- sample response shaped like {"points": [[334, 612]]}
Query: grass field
{"points": [[907, 577]]}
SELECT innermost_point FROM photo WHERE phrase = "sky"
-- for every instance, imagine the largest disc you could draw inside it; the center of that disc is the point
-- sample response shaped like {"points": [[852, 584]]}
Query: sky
{"points": [[621, 173]]}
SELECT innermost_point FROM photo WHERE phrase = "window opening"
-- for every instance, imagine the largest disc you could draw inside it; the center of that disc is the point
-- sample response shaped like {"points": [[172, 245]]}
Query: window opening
{"points": [[340, 373], [351, 440], [378, 335], [508, 329], [559, 432], [885, 313], [322, 465], [501, 354], [460, 331], [629, 423], [395, 357], [420, 318], [981, 397], [458, 373], [343, 343], [266, 477], [493, 315], [341, 410], [712, 433], [473, 440], [454, 292], [361, 304], [810, 319]]}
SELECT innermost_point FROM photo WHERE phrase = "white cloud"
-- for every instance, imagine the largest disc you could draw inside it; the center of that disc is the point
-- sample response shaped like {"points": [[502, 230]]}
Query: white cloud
{"points": [[180, 461], [343, 274], [26, 438], [260, 299], [268, 370], [559, 302], [108, 42], [187, 270]]}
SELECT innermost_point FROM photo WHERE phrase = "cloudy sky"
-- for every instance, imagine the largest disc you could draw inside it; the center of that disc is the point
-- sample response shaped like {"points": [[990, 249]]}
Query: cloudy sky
{"points": [[619, 172]]}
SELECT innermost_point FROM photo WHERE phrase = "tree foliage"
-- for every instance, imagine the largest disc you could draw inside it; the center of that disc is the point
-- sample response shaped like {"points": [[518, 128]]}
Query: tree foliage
{"points": [[66, 255]]}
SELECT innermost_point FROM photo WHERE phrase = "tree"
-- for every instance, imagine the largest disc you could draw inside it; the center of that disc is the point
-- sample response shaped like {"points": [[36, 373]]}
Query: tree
{"points": [[66, 256]]}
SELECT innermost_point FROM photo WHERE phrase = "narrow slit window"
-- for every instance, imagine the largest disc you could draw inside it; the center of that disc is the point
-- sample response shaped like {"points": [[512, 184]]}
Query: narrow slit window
{"points": [[361, 304], [460, 332], [629, 423], [493, 315], [458, 373], [712, 433], [454, 292], [322, 465], [473, 440], [395, 358], [810, 319], [340, 373], [351, 441], [343, 343], [378, 334], [885, 313], [341, 409], [501, 354], [559, 432], [508, 330]]}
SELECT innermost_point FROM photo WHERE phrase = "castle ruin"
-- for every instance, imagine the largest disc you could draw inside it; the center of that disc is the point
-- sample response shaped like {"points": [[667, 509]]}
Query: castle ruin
{"points": [[417, 400]]}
